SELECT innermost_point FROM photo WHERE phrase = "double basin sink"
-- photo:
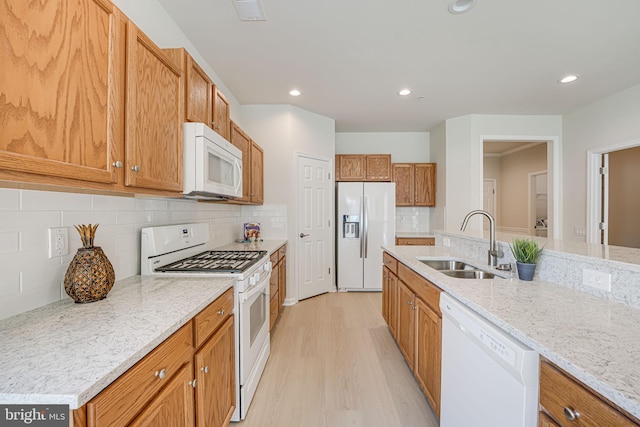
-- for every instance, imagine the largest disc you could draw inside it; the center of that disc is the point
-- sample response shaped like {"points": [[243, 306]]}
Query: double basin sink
{"points": [[458, 269]]}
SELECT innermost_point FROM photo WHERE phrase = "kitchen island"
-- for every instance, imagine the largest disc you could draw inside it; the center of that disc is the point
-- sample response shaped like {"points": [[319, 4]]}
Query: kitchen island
{"points": [[593, 339]]}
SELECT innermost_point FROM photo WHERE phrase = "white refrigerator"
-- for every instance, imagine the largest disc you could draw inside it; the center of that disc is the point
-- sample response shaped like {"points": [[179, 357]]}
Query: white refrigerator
{"points": [[366, 220]]}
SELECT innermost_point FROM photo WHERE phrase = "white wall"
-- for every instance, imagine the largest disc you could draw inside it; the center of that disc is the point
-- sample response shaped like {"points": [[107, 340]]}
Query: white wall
{"points": [[464, 136], [157, 24], [609, 121], [284, 131], [438, 155], [404, 147]]}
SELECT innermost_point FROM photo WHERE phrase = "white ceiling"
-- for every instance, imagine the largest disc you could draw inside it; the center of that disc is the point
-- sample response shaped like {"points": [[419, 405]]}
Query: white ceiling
{"points": [[350, 57]]}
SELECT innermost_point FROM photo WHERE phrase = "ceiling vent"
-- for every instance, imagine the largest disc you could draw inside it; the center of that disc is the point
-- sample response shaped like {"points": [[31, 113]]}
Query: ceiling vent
{"points": [[250, 10]]}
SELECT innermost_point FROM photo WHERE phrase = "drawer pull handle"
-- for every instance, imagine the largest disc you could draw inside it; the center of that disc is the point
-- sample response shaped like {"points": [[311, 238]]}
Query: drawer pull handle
{"points": [[205, 369], [221, 312], [193, 383], [161, 373], [571, 414]]}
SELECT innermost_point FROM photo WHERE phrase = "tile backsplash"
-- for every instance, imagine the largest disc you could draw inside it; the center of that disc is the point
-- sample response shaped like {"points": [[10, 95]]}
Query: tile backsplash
{"points": [[30, 279], [412, 219]]}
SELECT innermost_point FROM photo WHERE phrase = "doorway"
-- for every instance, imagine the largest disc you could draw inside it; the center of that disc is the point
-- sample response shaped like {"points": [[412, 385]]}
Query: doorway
{"points": [[489, 197], [613, 196]]}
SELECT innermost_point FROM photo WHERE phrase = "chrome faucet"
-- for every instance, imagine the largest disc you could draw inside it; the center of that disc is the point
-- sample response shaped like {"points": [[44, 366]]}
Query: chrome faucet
{"points": [[494, 252]]}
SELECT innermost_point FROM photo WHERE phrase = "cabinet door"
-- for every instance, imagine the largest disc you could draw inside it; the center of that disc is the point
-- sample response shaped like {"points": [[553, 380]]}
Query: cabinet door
{"points": [[173, 405], [352, 167], [428, 353], [378, 167], [406, 322], [221, 117], [425, 184], [257, 174], [403, 177], [385, 294], [154, 116], [198, 96], [215, 367], [393, 304], [546, 421], [62, 89], [242, 141], [282, 283]]}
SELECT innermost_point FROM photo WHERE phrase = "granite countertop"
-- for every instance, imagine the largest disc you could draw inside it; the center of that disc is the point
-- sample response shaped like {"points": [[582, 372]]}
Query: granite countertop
{"points": [[66, 353], [414, 234], [269, 245], [594, 339]]}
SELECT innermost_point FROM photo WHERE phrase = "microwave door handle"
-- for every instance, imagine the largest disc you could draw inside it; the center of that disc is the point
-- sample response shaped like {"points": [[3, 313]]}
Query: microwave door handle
{"points": [[238, 176]]}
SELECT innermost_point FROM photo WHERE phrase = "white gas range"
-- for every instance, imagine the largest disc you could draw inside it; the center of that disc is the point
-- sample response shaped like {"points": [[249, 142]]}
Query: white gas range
{"points": [[183, 250]]}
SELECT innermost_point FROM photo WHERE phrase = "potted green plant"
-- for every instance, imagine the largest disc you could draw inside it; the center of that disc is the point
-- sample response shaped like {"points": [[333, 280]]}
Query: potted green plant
{"points": [[526, 253]]}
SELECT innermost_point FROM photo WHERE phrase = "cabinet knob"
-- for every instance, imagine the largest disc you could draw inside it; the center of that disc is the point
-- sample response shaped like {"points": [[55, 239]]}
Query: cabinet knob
{"points": [[135, 168], [571, 414], [161, 373], [218, 127], [274, 312], [213, 123], [205, 369], [221, 312], [193, 383], [410, 302], [117, 164]]}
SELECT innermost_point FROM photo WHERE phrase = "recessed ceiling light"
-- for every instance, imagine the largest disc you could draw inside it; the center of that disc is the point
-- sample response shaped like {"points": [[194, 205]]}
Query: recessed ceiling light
{"points": [[404, 92], [460, 6], [568, 79], [294, 92]]}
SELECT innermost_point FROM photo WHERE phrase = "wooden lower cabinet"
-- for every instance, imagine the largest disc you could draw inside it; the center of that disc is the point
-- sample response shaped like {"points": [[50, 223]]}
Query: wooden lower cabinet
{"points": [[173, 406], [180, 383], [411, 309], [278, 283], [215, 389], [415, 241], [562, 396]]}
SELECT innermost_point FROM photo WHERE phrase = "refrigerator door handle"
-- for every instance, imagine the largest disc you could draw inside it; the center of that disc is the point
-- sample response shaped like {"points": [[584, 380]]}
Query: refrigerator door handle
{"points": [[361, 229], [365, 224]]}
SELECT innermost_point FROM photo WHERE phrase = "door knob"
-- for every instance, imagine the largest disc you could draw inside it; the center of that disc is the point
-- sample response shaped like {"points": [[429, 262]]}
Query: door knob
{"points": [[303, 235]]}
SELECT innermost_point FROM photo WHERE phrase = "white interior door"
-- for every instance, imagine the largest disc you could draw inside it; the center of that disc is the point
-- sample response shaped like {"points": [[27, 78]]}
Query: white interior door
{"points": [[314, 224]]}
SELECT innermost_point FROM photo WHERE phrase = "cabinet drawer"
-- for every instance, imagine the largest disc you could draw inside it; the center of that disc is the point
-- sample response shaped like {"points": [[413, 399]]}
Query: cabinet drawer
{"points": [[390, 262], [209, 319], [558, 391], [125, 397], [282, 252], [425, 290], [417, 241]]}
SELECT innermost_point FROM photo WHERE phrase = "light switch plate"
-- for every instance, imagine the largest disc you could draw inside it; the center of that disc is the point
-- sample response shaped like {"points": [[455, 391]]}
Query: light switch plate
{"points": [[596, 279], [58, 242]]}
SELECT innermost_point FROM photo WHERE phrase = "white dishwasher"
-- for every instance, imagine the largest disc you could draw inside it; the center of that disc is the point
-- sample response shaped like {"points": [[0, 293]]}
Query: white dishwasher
{"points": [[488, 377]]}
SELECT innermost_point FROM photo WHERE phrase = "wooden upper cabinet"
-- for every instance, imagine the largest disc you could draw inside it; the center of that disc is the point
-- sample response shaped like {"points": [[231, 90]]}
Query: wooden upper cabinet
{"points": [[242, 141], [197, 87], [221, 121], [363, 167], [155, 116], [257, 174], [62, 89], [378, 167], [415, 184]]}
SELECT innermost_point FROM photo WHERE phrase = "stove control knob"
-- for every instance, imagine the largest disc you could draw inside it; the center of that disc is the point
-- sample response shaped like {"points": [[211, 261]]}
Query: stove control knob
{"points": [[267, 266]]}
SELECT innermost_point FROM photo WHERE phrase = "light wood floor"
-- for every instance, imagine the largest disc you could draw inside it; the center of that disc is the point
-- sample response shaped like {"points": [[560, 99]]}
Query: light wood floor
{"points": [[334, 363]]}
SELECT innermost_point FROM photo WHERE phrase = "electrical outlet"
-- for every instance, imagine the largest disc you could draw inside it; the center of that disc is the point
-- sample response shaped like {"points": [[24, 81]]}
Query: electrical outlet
{"points": [[58, 242], [596, 279], [579, 231]]}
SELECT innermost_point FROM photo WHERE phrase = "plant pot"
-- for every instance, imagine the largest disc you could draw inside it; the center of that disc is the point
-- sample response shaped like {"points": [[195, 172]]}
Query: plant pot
{"points": [[90, 275], [526, 271]]}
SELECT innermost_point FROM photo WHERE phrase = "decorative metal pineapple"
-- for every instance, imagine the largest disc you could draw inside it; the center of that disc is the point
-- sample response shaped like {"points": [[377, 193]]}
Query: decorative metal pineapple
{"points": [[90, 275]]}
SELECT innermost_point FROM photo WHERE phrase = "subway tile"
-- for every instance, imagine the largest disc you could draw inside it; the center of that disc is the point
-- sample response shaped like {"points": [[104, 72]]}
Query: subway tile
{"points": [[71, 218], [9, 199], [143, 204], [43, 277], [20, 220], [113, 203], [26, 301], [9, 285], [50, 200], [9, 242]]}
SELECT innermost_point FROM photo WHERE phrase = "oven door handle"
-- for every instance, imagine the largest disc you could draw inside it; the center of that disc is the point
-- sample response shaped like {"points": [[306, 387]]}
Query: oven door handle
{"points": [[260, 287]]}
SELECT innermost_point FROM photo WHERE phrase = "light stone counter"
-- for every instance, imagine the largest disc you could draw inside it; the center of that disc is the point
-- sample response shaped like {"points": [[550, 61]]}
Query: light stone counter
{"points": [[594, 339], [66, 353], [269, 245], [414, 234]]}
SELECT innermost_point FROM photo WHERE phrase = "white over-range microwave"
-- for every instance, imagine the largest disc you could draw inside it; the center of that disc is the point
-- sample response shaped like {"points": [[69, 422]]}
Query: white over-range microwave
{"points": [[212, 165]]}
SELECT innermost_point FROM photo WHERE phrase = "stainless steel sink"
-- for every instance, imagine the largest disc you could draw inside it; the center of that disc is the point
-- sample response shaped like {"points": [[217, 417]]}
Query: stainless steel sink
{"points": [[470, 274], [446, 264]]}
